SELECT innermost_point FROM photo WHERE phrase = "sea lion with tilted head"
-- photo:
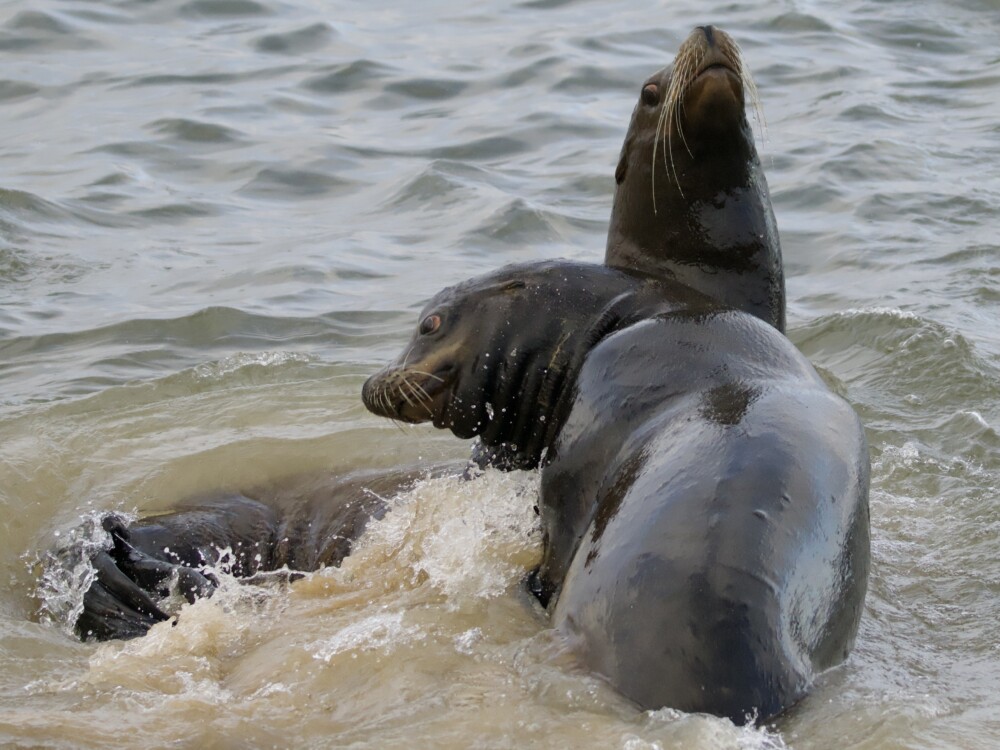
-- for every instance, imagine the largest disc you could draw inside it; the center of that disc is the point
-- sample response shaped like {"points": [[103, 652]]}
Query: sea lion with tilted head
{"points": [[691, 201], [704, 495]]}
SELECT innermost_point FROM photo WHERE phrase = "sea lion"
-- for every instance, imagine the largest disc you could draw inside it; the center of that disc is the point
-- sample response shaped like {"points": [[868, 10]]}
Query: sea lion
{"points": [[304, 524], [691, 201], [704, 496]]}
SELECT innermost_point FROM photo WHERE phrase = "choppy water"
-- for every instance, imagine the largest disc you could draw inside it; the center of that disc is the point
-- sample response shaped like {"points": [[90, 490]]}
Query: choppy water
{"points": [[218, 216]]}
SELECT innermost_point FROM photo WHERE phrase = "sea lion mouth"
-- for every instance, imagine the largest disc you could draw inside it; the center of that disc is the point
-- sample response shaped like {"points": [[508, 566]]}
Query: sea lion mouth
{"points": [[717, 67], [408, 394]]}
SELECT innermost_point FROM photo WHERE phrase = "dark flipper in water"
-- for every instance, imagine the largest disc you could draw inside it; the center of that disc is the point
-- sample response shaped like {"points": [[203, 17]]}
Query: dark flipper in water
{"points": [[303, 524]]}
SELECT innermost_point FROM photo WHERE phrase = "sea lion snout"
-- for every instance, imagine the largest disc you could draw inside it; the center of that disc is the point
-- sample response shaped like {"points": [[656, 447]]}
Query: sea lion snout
{"points": [[407, 394], [710, 73]]}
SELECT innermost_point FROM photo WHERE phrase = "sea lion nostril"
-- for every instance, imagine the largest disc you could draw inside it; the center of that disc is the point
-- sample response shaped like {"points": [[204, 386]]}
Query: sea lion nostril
{"points": [[709, 32]]}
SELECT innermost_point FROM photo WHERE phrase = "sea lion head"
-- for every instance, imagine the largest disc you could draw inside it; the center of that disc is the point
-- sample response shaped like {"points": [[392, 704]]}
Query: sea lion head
{"points": [[690, 116], [497, 356]]}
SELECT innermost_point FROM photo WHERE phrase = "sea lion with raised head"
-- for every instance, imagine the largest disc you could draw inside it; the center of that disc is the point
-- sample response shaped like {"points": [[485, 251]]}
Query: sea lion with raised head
{"points": [[691, 201], [704, 495]]}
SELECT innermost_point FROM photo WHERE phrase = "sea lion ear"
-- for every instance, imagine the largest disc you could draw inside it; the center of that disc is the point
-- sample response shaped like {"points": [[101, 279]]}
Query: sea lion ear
{"points": [[622, 165], [513, 284]]}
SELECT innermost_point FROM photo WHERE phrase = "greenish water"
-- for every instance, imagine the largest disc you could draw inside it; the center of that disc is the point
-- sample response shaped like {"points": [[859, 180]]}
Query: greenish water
{"points": [[217, 217]]}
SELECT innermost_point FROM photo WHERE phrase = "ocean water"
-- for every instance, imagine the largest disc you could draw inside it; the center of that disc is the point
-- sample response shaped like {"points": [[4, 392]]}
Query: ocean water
{"points": [[217, 217]]}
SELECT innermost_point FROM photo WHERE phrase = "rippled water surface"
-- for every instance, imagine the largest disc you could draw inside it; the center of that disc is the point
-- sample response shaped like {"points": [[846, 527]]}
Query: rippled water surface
{"points": [[218, 216]]}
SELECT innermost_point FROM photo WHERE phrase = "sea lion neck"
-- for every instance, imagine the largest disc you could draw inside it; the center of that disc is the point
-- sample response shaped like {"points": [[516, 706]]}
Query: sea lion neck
{"points": [[665, 209], [534, 387], [691, 201]]}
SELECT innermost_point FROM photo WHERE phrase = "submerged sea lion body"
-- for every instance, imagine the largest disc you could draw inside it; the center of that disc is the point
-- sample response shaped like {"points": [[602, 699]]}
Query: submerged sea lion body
{"points": [[691, 201], [305, 524], [704, 495]]}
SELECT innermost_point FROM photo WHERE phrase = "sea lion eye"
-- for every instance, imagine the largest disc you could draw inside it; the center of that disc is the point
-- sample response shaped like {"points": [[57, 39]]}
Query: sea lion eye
{"points": [[430, 324], [650, 94]]}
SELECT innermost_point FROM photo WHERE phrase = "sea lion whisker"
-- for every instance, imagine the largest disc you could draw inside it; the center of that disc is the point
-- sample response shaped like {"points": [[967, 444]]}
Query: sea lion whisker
{"points": [[673, 165], [383, 400], [425, 397], [388, 409], [420, 396], [680, 130], [734, 54], [656, 142], [751, 87], [413, 393], [679, 82], [689, 75], [403, 393], [419, 391], [427, 375], [662, 126]]}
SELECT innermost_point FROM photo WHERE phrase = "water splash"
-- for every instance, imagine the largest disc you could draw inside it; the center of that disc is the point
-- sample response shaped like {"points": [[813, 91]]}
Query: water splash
{"points": [[467, 540], [67, 571], [381, 631]]}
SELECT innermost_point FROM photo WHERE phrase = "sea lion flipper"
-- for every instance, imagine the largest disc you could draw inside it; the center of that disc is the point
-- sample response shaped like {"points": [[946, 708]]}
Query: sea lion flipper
{"points": [[115, 606], [122, 600], [152, 574]]}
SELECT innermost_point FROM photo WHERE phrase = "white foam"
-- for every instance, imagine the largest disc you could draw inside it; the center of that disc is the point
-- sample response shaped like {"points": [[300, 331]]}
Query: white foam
{"points": [[382, 631], [701, 730], [68, 570], [887, 312], [465, 642], [468, 539], [236, 362], [978, 418]]}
